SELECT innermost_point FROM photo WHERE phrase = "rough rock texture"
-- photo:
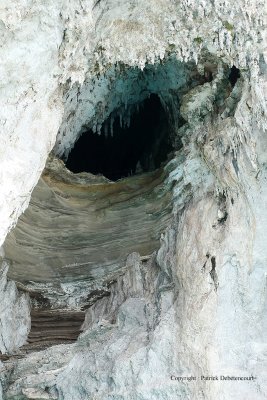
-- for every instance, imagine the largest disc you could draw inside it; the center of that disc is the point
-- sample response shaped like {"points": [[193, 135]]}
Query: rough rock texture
{"points": [[57, 241], [197, 306], [15, 318], [63, 44]]}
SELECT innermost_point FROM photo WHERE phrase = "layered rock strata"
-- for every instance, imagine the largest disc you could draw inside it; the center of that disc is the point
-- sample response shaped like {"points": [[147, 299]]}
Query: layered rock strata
{"points": [[188, 296]]}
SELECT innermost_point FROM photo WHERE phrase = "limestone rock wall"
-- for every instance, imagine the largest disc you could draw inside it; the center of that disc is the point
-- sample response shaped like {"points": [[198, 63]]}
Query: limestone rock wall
{"points": [[198, 306], [62, 45], [14, 314]]}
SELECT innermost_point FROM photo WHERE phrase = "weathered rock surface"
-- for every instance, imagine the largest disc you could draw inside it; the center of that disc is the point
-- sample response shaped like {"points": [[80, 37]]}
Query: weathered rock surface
{"points": [[197, 305], [79, 232], [15, 318]]}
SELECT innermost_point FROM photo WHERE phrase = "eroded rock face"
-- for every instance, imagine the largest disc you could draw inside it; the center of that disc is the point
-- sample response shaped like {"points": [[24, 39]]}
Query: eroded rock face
{"points": [[186, 294], [76, 234], [15, 315], [78, 230]]}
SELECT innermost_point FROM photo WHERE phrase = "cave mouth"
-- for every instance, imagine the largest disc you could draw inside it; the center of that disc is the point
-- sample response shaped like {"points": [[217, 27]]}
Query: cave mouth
{"points": [[122, 149]]}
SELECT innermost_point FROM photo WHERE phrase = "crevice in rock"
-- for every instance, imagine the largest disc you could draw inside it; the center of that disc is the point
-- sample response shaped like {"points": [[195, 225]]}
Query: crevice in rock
{"points": [[205, 263], [213, 273], [93, 296], [234, 75]]}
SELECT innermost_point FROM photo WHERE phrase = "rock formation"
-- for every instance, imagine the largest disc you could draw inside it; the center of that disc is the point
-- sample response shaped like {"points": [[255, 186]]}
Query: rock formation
{"points": [[132, 201]]}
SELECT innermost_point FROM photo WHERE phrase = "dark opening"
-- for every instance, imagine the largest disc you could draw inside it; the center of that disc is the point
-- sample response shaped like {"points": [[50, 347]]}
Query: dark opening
{"points": [[234, 75], [141, 147]]}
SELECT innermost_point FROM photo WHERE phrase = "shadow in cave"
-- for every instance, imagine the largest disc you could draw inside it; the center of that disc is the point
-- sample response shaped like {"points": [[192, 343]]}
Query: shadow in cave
{"points": [[234, 75], [141, 147]]}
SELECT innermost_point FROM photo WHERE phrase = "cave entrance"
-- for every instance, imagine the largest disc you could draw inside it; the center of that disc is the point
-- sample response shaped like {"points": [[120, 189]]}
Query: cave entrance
{"points": [[120, 151]]}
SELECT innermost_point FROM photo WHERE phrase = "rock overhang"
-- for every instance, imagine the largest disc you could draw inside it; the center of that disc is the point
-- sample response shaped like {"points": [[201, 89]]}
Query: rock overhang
{"points": [[81, 227]]}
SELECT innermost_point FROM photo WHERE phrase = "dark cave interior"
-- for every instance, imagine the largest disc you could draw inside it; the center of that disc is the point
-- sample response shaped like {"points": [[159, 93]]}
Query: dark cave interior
{"points": [[234, 75], [141, 147]]}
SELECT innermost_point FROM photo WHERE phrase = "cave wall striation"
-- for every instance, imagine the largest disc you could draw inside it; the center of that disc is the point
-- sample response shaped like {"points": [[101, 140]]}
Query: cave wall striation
{"points": [[158, 274]]}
